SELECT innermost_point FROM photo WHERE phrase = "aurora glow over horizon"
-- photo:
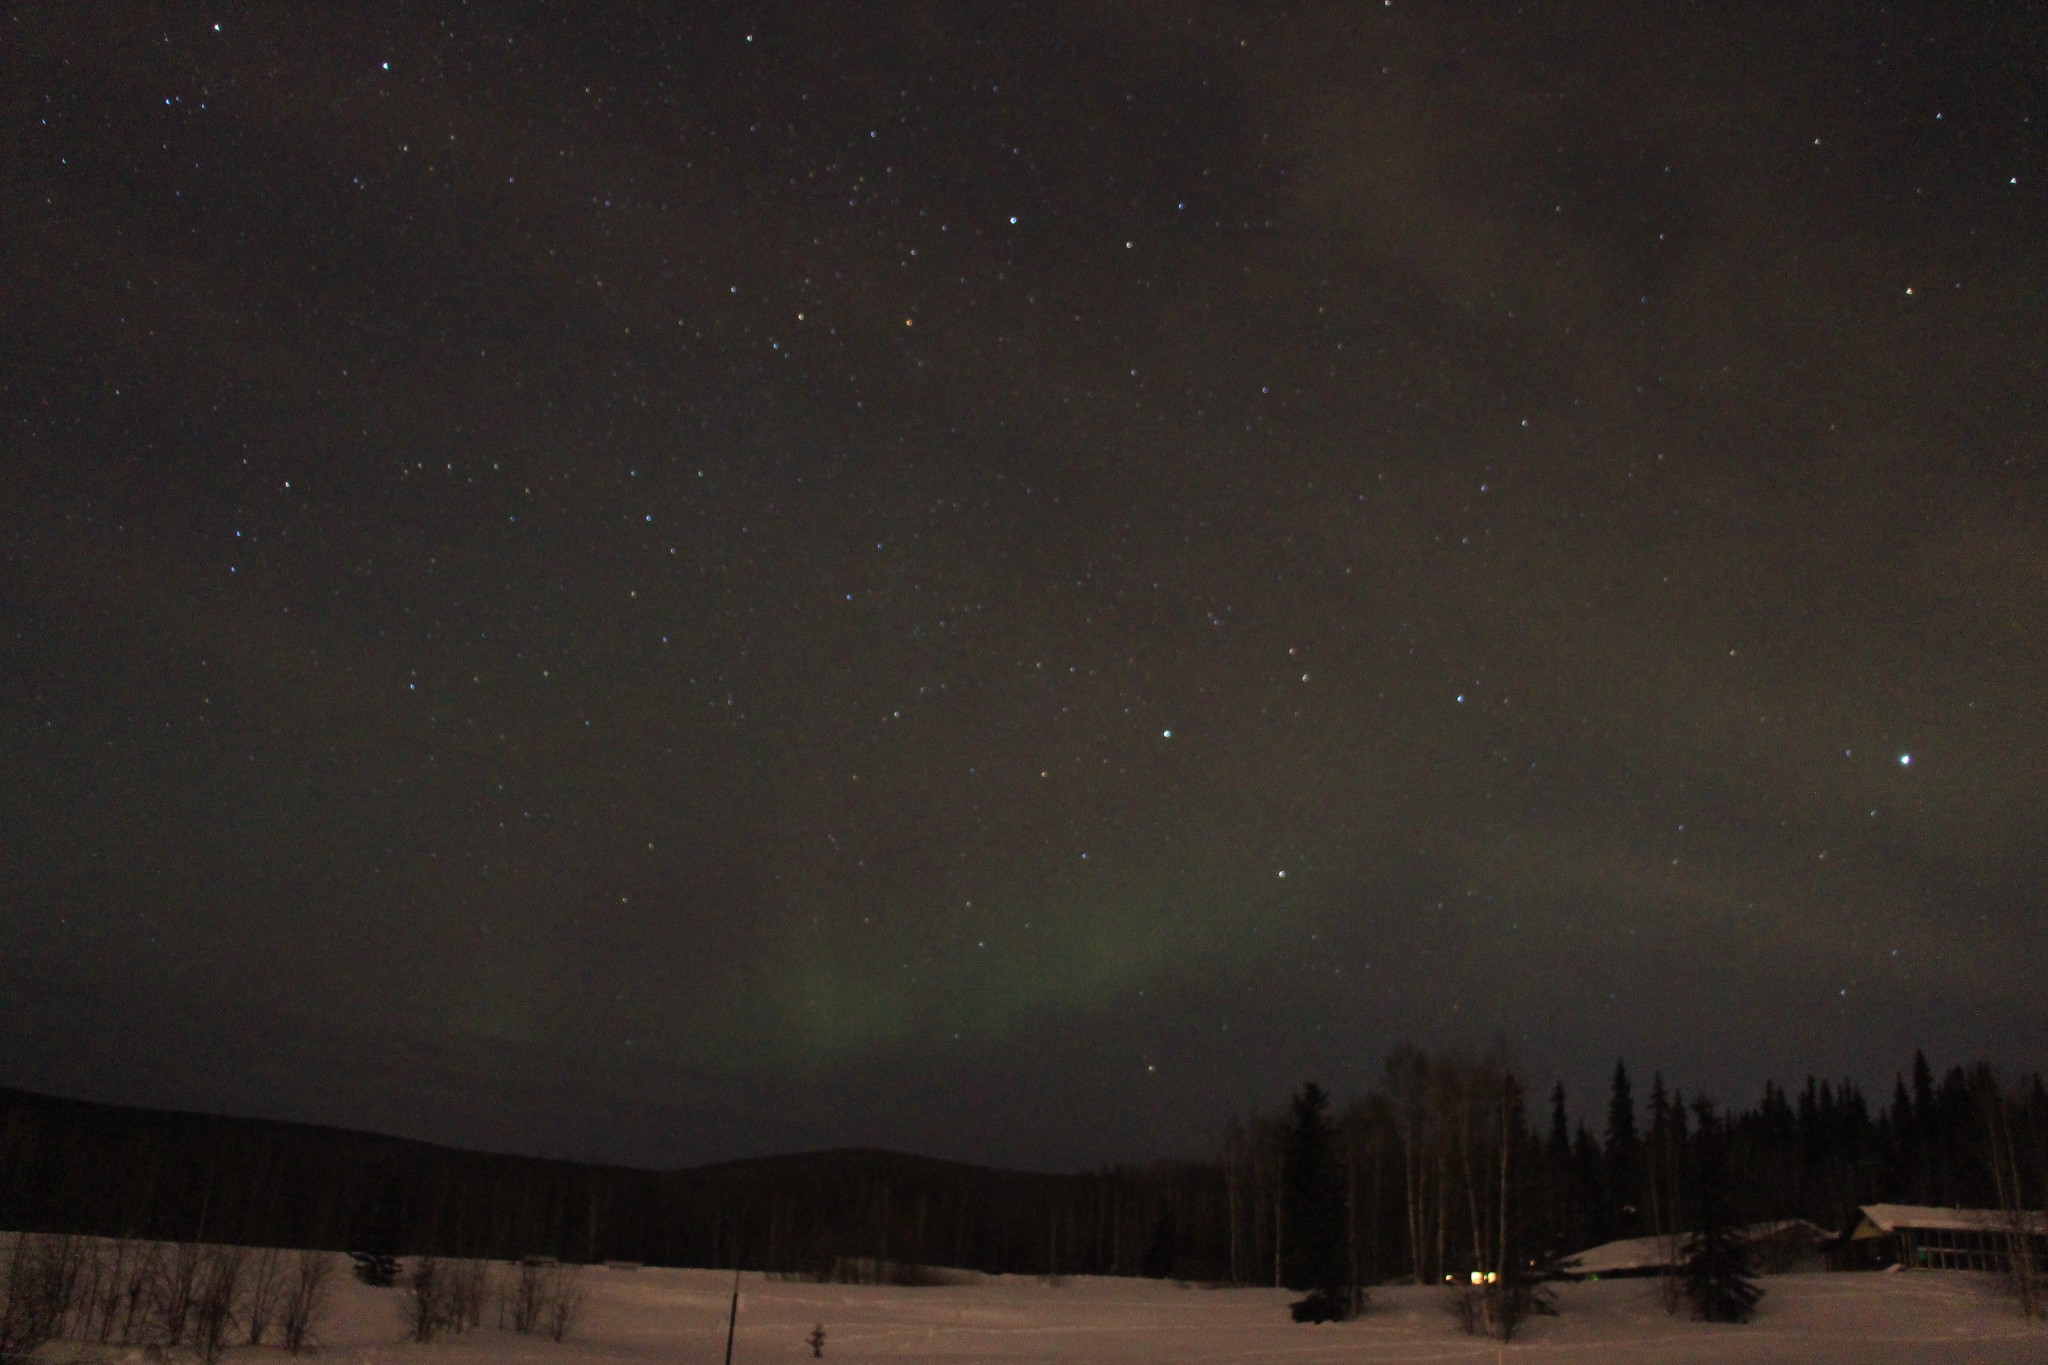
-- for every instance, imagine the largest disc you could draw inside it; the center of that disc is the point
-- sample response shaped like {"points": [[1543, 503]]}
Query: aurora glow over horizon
{"points": [[1007, 580]]}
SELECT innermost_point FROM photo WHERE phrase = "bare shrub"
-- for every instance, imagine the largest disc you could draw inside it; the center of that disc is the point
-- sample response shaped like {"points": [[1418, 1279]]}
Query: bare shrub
{"points": [[105, 1296], [1513, 1302], [1499, 1308], [903, 1274], [306, 1291], [39, 1284], [1467, 1306], [444, 1297], [424, 1302], [83, 1314], [565, 1303], [99, 1295], [469, 1284], [216, 1294], [174, 1293], [527, 1297], [264, 1293], [132, 1296], [75, 1270], [544, 1298]]}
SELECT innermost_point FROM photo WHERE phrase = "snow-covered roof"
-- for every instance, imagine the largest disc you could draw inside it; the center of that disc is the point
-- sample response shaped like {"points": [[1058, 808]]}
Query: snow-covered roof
{"points": [[1655, 1253], [1758, 1232], [1630, 1253], [1881, 1220]]}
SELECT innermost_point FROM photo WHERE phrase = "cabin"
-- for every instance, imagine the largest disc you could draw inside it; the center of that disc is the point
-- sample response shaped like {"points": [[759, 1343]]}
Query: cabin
{"points": [[1788, 1246], [1775, 1249], [1922, 1237], [1629, 1257]]}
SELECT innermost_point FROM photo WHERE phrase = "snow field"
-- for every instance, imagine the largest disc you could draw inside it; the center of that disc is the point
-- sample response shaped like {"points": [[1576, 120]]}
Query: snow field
{"points": [[679, 1316]]}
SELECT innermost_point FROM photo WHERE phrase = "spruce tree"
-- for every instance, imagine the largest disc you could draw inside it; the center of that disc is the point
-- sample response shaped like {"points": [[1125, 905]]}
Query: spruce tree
{"points": [[1657, 1159], [1624, 1158], [1558, 1175], [1588, 1224], [1313, 1255], [1716, 1275], [1162, 1253]]}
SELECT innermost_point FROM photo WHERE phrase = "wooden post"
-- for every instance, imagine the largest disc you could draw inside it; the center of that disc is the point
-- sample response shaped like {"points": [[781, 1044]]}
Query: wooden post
{"points": [[732, 1321]]}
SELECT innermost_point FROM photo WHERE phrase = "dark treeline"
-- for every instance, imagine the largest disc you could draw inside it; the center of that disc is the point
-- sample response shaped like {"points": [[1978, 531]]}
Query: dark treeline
{"points": [[72, 1166], [109, 1170], [1449, 1166], [1447, 1172]]}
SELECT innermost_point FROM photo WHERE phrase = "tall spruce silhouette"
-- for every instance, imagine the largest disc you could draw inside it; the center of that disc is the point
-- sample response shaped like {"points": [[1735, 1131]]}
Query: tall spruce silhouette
{"points": [[1313, 1257], [1624, 1159], [1716, 1276]]}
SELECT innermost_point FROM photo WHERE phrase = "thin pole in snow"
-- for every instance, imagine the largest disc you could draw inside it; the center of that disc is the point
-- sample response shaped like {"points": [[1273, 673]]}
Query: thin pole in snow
{"points": [[732, 1322]]}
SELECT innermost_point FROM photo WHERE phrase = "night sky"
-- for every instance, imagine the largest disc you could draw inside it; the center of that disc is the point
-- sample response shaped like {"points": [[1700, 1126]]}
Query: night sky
{"points": [[670, 582]]}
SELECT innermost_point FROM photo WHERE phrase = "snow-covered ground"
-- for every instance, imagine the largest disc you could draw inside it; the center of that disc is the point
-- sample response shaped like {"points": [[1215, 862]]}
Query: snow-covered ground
{"points": [[1952, 1318]]}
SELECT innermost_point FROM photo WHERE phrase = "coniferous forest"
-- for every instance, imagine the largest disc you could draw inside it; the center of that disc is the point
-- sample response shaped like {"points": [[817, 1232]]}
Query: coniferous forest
{"points": [[1451, 1165]]}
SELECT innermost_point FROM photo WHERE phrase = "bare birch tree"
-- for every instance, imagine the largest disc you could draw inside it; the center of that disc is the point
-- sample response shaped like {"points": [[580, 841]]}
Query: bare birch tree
{"points": [[264, 1293], [2023, 1228], [307, 1291]]}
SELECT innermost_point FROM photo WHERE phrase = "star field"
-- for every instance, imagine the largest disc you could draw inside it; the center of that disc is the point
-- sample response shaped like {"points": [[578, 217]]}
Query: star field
{"points": [[1006, 580]]}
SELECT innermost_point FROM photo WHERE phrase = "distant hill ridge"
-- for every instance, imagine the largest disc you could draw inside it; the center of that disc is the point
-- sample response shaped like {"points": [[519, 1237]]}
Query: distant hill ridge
{"points": [[71, 1165]]}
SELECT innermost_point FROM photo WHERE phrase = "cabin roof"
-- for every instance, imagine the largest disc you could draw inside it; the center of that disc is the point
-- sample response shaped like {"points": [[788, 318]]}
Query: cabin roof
{"points": [[1655, 1253], [1882, 1220]]}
